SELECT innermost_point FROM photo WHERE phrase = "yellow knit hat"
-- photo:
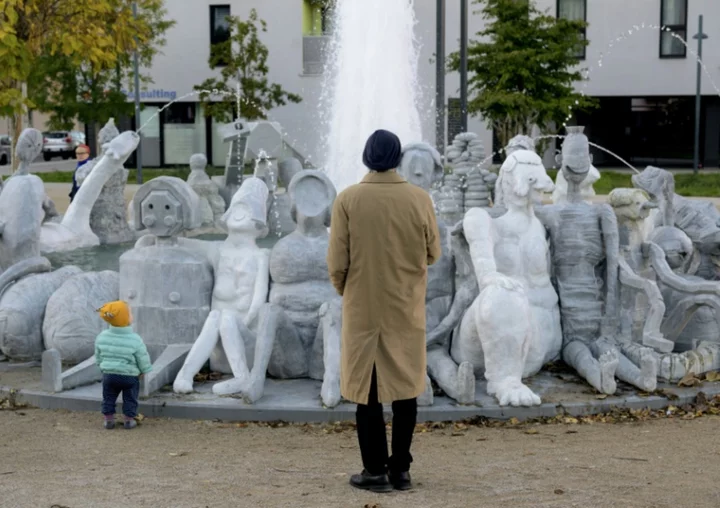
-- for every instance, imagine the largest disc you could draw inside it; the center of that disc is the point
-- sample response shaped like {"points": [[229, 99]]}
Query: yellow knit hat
{"points": [[116, 313]]}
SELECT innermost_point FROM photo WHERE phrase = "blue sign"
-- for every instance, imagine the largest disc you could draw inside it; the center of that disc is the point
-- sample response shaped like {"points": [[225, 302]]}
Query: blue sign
{"points": [[155, 94]]}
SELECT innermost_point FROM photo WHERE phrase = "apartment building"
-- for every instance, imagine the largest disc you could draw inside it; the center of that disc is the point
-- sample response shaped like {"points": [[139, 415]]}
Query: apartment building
{"points": [[645, 84]]}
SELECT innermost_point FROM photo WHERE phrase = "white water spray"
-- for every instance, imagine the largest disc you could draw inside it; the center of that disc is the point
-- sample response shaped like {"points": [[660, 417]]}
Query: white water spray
{"points": [[371, 82]]}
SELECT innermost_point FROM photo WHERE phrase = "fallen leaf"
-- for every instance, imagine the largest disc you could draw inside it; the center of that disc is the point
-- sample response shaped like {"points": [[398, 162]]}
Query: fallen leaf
{"points": [[668, 394], [571, 432], [139, 417], [602, 396], [532, 431], [690, 380], [570, 420], [559, 491], [513, 421], [712, 376], [178, 454], [481, 439], [372, 505]]}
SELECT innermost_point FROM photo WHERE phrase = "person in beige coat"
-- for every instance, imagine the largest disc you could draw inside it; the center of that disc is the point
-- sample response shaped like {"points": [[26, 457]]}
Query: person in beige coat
{"points": [[383, 236]]}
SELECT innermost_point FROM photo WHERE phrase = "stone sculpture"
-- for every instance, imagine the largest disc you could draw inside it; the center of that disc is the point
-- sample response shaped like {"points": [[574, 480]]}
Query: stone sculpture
{"points": [[22, 310], [29, 146], [586, 264], [239, 294], [74, 231], [699, 219], [559, 195], [212, 205], [71, 322], [512, 328], [299, 287], [108, 219], [167, 285]]}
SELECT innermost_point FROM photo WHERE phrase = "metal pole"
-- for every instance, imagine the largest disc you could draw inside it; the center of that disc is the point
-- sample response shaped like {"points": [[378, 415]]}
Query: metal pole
{"points": [[136, 70], [698, 94], [464, 64], [440, 79]]}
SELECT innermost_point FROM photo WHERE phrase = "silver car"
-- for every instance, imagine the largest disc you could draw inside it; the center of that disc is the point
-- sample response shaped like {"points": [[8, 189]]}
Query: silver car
{"points": [[5, 147], [58, 144]]}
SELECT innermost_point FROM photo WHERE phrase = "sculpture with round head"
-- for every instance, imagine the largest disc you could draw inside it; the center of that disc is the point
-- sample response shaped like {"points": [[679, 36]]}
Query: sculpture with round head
{"points": [[312, 195], [678, 247], [28, 148], [522, 179], [630, 205], [165, 206], [107, 134], [575, 159], [248, 208], [520, 142], [198, 162], [421, 165]]}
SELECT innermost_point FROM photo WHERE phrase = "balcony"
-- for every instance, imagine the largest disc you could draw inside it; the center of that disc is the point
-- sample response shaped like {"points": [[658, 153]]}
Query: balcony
{"points": [[314, 47]]}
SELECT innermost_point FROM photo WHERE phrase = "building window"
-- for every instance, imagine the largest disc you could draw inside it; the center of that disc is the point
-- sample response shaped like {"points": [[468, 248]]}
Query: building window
{"points": [[318, 17], [179, 113], [673, 16], [574, 10], [219, 27]]}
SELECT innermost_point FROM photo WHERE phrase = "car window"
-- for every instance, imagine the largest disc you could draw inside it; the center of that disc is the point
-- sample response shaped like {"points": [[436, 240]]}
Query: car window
{"points": [[56, 135]]}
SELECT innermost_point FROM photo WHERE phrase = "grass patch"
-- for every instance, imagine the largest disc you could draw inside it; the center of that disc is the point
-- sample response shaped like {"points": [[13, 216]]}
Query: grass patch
{"points": [[686, 184], [148, 174]]}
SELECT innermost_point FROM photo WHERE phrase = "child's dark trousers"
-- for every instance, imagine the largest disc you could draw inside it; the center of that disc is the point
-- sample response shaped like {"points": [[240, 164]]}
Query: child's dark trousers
{"points": [[114, 385]]}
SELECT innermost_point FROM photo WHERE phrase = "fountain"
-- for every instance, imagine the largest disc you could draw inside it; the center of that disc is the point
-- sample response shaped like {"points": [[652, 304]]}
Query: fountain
{"points": [[358, 97]]}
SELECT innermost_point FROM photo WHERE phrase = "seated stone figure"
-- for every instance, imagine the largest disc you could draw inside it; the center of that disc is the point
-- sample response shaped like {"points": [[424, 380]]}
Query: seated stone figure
{"points": [[586, 269], [240, 291], [512, 327], [299, 287], [212, 205]]}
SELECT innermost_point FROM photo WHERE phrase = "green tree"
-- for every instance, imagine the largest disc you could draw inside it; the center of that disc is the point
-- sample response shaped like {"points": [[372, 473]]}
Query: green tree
{"points": [[523, 70], [243, 58], [74, 88]]}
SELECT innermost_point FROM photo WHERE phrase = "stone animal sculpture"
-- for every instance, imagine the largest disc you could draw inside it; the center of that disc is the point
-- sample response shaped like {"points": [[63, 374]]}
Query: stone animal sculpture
{"points": [[240, 292], [74, 231], [512, 327], [299, 287], [585, 263], [699, 219]]}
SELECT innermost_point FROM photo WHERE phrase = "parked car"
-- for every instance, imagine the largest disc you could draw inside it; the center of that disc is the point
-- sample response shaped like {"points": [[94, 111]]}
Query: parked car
{"points": [[5, 147], [58, 143], [78, 139]]}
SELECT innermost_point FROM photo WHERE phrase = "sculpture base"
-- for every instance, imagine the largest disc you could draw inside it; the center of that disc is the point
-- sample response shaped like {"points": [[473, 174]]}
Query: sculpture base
{"points": [[299, 400]]}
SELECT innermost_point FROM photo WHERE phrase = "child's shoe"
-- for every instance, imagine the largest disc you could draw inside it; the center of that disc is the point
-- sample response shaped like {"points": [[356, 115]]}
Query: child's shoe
{"points": [[130, 423], [109, 423]]}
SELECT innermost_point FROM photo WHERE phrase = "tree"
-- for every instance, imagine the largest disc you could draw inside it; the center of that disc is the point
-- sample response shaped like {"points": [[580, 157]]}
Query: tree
{"points": [[523, 71], [73, 29], [244, 59], [70, 88]]}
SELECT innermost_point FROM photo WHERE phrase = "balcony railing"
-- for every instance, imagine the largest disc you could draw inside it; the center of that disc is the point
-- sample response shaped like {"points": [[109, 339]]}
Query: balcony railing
{"points": [[314, 48]]}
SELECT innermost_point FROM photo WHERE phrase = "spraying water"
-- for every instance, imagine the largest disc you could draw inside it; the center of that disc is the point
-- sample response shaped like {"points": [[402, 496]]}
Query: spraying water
{"points": [[371, 82]]}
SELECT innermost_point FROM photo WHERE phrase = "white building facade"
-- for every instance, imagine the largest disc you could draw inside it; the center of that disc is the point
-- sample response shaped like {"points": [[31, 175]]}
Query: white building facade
{"points": [[646, 83]]}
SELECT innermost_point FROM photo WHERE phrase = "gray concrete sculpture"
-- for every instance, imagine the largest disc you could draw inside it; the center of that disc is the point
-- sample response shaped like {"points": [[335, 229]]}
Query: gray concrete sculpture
{"points": [[22, 310], [299, 287], [211, 205], [28, 148], [699, 219], [586, 268], [167, 286], [241, 269], [74, 231], [71, 322], [108, 219]]}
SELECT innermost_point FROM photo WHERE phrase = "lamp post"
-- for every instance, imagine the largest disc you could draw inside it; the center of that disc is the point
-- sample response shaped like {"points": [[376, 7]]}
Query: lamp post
{"points": [[440, 78], [136, 70], [464, 65], [700, 36]]}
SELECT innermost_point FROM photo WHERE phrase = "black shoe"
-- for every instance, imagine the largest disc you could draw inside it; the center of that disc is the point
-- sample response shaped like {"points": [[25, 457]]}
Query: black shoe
{"points": [[401, 481], [366, 481]]}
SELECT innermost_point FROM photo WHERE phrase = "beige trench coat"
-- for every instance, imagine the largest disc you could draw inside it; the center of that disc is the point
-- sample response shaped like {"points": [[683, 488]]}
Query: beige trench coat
{"points": [[383, 236]]}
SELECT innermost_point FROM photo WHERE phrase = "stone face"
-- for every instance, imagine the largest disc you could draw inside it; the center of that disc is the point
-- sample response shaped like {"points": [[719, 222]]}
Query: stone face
{"points": [[165, 206], [71, 321], [22, 310]]}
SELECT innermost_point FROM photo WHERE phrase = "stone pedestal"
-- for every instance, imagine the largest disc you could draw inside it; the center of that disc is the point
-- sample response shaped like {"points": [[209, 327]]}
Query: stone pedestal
{"points": [[169, 290]]}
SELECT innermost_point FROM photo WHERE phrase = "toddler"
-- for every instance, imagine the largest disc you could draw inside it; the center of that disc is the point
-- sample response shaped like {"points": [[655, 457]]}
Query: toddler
{"points": [[123, 359]]}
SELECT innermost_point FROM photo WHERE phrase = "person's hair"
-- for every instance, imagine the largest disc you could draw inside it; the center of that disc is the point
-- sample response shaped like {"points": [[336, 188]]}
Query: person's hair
{"points": [[85, 147]]}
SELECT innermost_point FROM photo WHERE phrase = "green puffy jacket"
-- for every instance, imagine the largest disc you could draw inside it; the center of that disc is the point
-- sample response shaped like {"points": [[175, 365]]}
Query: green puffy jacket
{"points": [[121, 351]]}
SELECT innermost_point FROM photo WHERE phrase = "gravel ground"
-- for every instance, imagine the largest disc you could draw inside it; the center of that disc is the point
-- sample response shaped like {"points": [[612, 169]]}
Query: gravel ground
{"points": [[61, 459]]}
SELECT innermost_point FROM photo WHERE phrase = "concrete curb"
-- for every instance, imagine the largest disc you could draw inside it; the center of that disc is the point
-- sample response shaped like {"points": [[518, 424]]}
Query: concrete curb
{"points": [[229, 409]]}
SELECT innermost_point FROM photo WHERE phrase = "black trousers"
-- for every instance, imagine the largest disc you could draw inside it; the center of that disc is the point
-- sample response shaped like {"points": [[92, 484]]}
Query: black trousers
{"points": [[372, 436]]}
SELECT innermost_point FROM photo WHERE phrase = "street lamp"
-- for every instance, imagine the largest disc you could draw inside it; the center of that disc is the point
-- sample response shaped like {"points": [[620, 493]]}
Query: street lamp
{"points": [[440, 78], [464, 65], [136, 66], [700, 36]]}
